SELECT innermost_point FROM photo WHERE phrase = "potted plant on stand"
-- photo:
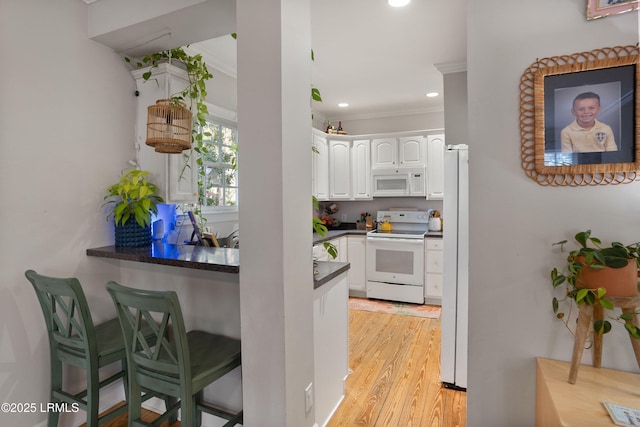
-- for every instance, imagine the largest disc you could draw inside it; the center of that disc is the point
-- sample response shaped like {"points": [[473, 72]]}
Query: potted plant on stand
{"points": [[130, 202], [593, 273]]}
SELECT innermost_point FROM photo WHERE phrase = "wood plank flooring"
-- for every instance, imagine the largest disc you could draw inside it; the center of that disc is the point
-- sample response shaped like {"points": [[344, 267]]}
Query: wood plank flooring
{"points": [[395, 379]]}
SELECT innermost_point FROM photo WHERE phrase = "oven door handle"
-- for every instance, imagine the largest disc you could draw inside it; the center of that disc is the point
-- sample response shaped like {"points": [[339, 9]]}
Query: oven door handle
{"points": [[416, 242]]}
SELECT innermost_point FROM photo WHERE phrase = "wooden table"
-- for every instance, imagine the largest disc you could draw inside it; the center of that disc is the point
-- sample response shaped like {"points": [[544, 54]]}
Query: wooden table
{"points": [[559, 403]]}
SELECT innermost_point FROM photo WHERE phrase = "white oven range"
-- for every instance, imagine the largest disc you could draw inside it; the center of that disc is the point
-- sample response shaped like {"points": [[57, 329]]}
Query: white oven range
{"points": [[395, 259]]}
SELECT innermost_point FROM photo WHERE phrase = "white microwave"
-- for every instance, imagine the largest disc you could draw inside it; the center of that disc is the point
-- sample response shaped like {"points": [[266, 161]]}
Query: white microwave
{"points": [[400, 182]]}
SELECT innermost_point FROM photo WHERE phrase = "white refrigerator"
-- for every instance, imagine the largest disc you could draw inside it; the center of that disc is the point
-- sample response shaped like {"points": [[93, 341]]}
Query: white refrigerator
{"points": [[455, 288]]}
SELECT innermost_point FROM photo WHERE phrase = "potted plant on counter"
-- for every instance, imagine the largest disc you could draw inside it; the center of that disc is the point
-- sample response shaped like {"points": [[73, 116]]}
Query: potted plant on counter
{"points": [[130, 202], [593, 273]]}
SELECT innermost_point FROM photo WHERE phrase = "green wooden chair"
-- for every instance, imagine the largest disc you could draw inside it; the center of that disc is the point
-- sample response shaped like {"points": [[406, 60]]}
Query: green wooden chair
{"points": [[75, 340], [180, 366]]}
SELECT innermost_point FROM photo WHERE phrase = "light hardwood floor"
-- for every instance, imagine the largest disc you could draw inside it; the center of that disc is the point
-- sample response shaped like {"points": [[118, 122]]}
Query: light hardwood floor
{"points": [[395, 379]]}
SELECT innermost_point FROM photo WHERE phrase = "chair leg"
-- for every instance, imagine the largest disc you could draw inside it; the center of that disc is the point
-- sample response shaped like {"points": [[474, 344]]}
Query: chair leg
{"points": [[187, 411], [135, 400], [125, 381], [169, 401], [93, 397], [197, 399], [56, 384]]}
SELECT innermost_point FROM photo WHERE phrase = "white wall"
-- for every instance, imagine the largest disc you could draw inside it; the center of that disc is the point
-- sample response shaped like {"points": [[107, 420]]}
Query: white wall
{"points": [[67, 113], [513, 220], [391, 123]]}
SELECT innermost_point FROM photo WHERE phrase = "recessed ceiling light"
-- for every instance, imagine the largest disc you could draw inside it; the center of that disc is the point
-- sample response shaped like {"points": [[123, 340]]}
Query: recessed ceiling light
{"points": [[398, 3], [432, 94], [343, 105]]}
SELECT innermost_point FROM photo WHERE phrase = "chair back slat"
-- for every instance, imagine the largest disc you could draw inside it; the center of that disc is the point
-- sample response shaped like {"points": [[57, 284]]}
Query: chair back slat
{"points": [[167, 352], [66, 312]]}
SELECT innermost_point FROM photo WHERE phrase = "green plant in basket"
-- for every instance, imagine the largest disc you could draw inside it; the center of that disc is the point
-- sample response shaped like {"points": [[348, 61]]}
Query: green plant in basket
{"points": [[134, 196]]}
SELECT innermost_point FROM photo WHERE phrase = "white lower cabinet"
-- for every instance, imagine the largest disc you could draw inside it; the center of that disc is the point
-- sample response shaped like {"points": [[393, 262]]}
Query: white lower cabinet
{"points": [[356, 257], [331, 346], [433, 260]]}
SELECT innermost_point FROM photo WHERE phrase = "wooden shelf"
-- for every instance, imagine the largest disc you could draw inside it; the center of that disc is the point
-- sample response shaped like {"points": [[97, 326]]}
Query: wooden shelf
{"points": [[559, 403]]}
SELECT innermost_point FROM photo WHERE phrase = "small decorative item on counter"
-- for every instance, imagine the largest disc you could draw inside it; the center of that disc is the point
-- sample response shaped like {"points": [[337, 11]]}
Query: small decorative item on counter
{"points": [[369, 222], [435, 221], [361, 223], [340, 130]]}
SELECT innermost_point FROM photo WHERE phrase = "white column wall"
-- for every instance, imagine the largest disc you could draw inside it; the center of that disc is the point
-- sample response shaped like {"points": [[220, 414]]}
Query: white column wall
{"points": [[276, 289], [513, 220]]}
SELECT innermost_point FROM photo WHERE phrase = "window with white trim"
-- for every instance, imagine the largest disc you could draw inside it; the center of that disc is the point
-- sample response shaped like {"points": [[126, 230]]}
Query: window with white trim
{"points": [[218, 166]]}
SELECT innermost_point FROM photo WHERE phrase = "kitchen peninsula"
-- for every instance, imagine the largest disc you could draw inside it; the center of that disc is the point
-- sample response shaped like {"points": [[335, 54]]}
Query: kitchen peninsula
{"points": [[224, 260], [206, 280]]}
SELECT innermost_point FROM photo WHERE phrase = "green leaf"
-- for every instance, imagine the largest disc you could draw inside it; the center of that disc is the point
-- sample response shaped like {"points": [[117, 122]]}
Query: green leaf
{"points": [[582, 294], [555, 304], [234, 35], [606, 303], [146, 75], [315, 94], [633, 330], [601, 326], [582, 238]]}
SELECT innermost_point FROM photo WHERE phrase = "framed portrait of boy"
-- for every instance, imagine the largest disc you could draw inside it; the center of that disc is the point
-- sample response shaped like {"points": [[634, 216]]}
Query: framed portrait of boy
{"points": [[580, 118], [601, 8]]}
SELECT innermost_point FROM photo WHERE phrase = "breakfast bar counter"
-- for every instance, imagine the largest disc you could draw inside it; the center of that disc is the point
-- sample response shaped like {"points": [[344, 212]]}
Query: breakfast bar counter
{"points": [[224, 260]]}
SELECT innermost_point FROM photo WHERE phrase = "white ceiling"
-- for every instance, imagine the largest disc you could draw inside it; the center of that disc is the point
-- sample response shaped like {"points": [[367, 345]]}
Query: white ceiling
{"points": [[377, 58]]}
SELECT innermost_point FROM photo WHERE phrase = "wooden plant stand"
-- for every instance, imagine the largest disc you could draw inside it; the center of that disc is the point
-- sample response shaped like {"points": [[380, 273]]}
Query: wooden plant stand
{"points": [[586, 316]]}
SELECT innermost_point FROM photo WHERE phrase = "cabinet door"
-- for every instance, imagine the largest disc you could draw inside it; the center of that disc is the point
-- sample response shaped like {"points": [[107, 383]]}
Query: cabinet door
{"points": [[435, 167], [339, 170], [176, 184], [320, 167], [356, 257], [361, 169], [411, 151], [385, 153]]}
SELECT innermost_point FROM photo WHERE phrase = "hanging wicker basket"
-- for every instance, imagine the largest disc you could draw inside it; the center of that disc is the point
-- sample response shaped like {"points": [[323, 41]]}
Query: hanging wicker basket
{"points": [[169, 126]]}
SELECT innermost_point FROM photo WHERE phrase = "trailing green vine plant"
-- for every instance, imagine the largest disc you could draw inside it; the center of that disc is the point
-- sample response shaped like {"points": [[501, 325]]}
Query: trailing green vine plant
{"points": [[195, 93]]}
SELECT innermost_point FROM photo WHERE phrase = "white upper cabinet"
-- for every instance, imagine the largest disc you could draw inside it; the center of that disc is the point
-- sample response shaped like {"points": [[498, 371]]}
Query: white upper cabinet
{"points": [[320, 167], [339, 170], [435, 167], [411, 151], [398, 152], [361, 169], [177, 183], [385, 153]]}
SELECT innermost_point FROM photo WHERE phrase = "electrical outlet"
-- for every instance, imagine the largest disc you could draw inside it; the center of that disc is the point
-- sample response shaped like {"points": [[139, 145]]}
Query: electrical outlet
{"points": [[344, 217], [308, 398]]}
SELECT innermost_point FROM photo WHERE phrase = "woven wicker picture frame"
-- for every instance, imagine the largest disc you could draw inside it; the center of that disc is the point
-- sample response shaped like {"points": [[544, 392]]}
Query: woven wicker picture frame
{"points": [[548, 93]]}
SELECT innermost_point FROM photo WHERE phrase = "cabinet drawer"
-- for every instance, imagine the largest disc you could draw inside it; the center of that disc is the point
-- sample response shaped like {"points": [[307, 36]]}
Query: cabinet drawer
{"points": [[434, 262], [435, 244]]}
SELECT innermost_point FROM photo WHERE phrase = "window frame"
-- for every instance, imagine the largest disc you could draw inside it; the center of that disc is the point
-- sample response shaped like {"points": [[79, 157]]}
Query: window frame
{"points": [[231, 123]]}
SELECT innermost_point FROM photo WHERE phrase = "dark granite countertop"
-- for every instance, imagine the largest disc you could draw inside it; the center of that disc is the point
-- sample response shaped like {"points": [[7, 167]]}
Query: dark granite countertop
{"points": [[334, 234], [224, 260], [202, 258], [328, 270]]}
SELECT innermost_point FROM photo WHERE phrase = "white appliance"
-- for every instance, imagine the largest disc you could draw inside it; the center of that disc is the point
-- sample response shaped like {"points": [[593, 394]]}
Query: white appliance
{"points": [[399, 182], [455, 289], [395, 259]]}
